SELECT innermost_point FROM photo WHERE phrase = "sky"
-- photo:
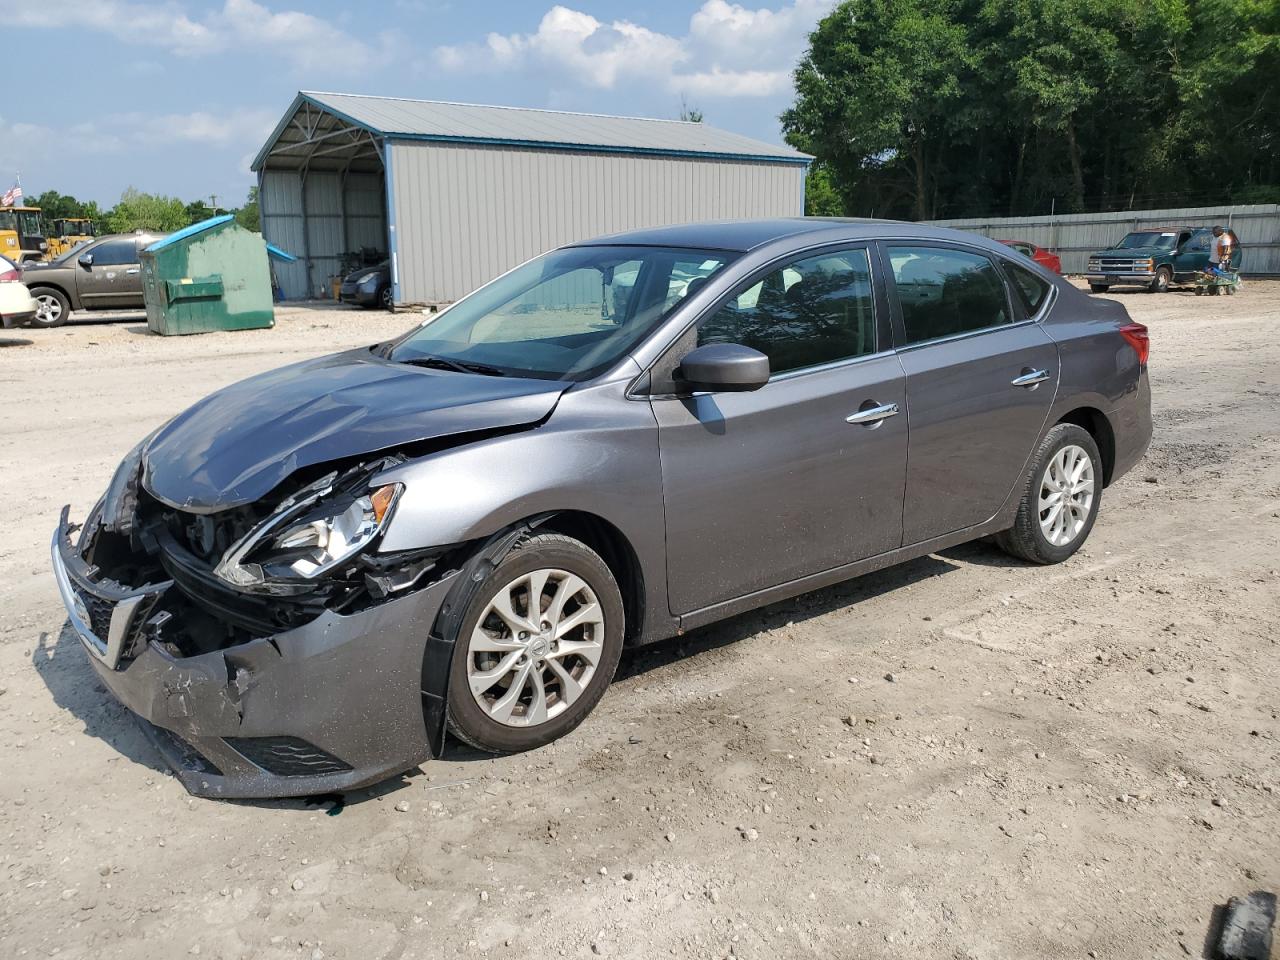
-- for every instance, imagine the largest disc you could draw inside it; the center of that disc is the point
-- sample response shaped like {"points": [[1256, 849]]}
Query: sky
{"points": [[176, 96]]}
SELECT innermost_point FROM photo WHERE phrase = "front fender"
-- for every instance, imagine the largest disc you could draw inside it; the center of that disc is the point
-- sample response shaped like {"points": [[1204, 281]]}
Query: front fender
{"points": [[597, 454]]}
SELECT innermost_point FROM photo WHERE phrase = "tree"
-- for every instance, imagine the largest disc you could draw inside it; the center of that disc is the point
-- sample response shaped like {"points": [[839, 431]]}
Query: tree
{"points": [[145, 211], [821, 198], [248, 215], [689, 114]]}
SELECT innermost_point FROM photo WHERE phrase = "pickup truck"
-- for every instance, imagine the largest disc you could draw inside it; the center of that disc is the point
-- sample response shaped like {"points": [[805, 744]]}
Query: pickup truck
{"points": [[1154, 258], [101, 275]]}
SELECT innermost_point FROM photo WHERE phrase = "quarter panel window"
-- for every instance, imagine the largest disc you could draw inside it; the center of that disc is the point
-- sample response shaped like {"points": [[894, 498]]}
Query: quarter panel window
{"points": [[946, 292], [812, 311], [1034, 289]]}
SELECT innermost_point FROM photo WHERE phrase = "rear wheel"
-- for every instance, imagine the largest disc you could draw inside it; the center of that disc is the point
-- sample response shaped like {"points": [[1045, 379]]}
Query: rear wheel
{"points": [[1160, 283], [1060, 500], [52, 307], [537, 647], [1099, 287]]}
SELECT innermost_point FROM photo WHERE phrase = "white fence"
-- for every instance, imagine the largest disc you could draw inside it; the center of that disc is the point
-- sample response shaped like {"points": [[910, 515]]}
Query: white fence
{"points": [[1074, 236]]}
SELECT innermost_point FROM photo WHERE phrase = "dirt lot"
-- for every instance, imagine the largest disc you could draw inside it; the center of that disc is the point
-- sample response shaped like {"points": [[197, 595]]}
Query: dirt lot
{"points": [[960, 757]]}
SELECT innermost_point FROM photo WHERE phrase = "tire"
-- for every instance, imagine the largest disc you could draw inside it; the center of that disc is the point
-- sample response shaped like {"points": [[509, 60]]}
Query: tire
{"points": [[1028, 538], [1199, 291], [1099, 287], [553, 555], [386, 299], [1163, 277], [52, 307]]}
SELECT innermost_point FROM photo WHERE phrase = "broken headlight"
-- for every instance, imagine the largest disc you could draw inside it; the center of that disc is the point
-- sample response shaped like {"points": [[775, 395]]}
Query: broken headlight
{"points": [[309, 535]]}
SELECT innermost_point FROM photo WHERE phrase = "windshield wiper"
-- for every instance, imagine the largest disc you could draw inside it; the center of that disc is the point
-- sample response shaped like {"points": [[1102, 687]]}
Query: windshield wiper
{"points": [[461, 366]]}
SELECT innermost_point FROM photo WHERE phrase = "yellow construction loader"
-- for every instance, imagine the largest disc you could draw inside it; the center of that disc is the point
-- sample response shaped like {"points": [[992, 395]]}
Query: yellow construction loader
{"points": [[22, 234], [68, 233]]}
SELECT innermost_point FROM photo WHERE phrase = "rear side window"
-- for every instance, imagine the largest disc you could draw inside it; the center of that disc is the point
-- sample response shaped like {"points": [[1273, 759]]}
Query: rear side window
{"points": [[809, 312], [1034, 290], [946, 292]]}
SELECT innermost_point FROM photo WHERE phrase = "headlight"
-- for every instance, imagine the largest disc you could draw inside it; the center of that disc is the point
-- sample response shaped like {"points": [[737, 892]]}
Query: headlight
{"points": [[309, 535], [121, 499], [367, 278]]}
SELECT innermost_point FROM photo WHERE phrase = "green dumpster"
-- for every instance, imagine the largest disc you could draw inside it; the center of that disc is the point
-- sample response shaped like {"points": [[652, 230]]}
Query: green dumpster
{"points": [[212, 275]]}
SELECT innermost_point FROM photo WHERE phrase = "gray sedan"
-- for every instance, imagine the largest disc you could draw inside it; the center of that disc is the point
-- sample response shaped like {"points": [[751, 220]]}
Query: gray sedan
{"points": [[302, 583]]}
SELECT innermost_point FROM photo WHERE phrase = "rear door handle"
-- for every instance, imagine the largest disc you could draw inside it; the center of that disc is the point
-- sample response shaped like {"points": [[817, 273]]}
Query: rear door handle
{"points": [[873, 415], [132, 272], [1030, 378]]}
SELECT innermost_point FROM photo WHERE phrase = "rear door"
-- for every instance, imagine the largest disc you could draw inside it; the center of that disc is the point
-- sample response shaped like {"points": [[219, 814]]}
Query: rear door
{"points": [[113, 280], [806, 473], [981, 376]]}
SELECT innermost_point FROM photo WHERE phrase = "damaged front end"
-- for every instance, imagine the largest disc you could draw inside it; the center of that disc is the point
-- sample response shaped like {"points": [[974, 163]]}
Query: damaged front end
{"points": [[268, 649]]}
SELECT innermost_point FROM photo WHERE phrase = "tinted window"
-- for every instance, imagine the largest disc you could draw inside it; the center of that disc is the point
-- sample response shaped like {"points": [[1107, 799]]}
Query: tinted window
{"points": [[946, 292], [1034, 289], [810, 312], [1199, 240], [115, 252]]}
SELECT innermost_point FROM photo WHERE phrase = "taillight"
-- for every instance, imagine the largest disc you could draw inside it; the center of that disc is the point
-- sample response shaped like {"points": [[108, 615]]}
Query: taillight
{"points": [[1136, 335], [14, 275]]}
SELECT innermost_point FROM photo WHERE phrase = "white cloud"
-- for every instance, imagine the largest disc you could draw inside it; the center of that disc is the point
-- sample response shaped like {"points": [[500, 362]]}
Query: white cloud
{"points": [[728, 51], [300, 38]]}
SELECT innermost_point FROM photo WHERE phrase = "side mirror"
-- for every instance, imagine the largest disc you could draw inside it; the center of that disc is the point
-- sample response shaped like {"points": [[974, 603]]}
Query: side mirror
{"points": [[725, 367], [85, 260]]}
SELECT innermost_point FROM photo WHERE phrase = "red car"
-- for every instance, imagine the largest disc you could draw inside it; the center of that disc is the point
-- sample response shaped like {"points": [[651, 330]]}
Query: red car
{"points": [[1046, 258]]}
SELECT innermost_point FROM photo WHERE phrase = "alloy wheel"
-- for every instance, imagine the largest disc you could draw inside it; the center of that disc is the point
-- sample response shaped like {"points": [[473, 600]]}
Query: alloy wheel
{"points": [[48, 308], [1066, 495], [535, 648]]}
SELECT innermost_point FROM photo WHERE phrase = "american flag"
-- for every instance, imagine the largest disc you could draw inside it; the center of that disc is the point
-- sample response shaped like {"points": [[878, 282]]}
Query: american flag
{"points": [[13, 197]]}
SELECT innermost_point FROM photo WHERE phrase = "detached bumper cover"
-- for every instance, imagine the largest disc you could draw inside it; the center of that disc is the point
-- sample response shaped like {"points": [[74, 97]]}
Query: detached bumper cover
{"points": [[329, 706]]}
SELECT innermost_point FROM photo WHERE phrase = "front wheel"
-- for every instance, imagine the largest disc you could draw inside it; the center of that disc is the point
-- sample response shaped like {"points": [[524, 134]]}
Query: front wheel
{"points": [[536, 648], [52, 307], [1060, 500], [1160, 283]]}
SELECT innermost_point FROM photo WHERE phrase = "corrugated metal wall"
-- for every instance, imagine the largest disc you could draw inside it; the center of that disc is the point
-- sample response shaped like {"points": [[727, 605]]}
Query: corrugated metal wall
{"points": [[1073, 237], [465, 214], [334, 225]]}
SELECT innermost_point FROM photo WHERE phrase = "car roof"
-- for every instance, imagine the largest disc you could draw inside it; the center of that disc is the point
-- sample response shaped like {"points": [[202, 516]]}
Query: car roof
{"points": [[744, 235], [1027, 242]]}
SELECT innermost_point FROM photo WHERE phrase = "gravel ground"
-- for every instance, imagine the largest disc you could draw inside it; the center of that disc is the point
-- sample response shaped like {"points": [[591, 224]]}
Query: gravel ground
{"points": [[963, 756]]}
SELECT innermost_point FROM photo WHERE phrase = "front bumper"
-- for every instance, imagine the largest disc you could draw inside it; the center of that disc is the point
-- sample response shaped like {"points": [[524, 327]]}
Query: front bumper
{"points": [[330, 706], [352, 293], [1141, 279]]}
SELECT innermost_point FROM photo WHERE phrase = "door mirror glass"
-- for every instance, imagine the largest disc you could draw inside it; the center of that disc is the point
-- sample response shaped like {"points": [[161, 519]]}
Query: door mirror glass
{"points": [[85, 260], [724, 367]]}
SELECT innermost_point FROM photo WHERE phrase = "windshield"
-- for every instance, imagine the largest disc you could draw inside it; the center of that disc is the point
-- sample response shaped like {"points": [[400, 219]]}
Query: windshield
{"points": [[567, 315], [1151, 238]]}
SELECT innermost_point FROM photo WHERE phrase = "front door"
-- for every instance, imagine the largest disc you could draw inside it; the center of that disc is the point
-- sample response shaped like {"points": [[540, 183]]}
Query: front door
{"points": [[112, 281], [980, 381], [1193, 255], [804, 474]]}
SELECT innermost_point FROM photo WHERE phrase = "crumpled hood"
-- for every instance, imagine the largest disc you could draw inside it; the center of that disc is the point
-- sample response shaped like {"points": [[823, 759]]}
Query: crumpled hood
{"points": [[237, 444], [1137, 253]]}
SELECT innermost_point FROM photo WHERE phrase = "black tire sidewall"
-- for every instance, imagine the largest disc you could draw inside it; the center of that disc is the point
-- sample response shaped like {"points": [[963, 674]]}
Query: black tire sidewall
{"points": [[1099, 287], [466, 717], [37, 292], [1062, 435], [1164, 276]]}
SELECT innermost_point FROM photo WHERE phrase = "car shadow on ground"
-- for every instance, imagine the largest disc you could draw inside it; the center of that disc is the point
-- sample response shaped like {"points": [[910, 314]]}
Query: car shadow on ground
{"points": [[817, 603], [61, 662]]}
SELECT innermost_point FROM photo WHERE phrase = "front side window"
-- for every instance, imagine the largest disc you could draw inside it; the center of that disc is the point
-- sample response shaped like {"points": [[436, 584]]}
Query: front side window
{"points": [[114, 253], [946, 292], [565, 316], [813, 311], [1199, 241], [1035, 290]]}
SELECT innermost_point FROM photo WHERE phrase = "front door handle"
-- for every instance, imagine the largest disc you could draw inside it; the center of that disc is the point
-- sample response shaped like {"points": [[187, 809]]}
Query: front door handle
{"points": [[132, 272], [1030, 378], [873, 415]]}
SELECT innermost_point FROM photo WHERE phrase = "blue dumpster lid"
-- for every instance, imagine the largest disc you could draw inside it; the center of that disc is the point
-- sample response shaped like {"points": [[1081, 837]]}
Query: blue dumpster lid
{"points": [[191, 231], [274, 251]]}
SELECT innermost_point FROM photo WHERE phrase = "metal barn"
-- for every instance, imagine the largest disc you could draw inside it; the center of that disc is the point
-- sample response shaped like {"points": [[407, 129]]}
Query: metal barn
{"points": [[456, 194]]}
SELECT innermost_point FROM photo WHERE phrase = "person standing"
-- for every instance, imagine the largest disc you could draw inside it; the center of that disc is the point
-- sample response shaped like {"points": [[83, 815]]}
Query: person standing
{"points": [[1220, 250]]}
